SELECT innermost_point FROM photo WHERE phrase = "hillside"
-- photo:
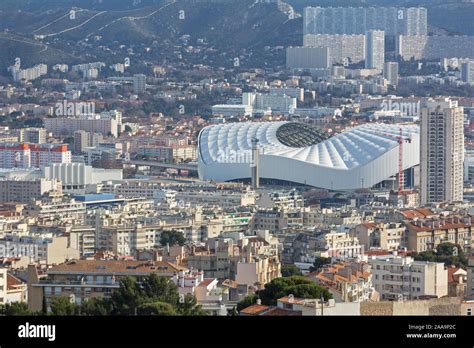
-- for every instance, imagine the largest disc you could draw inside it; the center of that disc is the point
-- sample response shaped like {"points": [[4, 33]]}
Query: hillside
{"points": [[231, 28]]}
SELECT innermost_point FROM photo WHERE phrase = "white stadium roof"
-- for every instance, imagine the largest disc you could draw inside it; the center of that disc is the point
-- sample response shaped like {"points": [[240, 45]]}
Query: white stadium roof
{"points": [[362, 156]]}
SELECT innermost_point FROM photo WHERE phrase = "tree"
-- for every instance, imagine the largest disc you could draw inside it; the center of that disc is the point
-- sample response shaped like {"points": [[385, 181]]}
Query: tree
{"points": [[160, 289], [187, 305], [147, 296], [172, 238], [247, 302], [63, 306], [298, 286], [290, 270], [447, 253], [127, 297], [319, 262], [96, 307], [156, 308], [15, 308]]}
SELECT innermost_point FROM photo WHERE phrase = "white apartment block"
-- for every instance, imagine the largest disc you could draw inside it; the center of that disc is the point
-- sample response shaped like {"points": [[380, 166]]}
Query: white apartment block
{"points": [[390, 72], [293, 92], [375, 49], [276, 103], [308, 58], [339, 246], [230, 110], [138, 188], [403, 278], [67, 126], [223, 199], [442, 151], [169, 154], [467, 72], [358, 20], [28, 74], [434, 47], [343, 48]]}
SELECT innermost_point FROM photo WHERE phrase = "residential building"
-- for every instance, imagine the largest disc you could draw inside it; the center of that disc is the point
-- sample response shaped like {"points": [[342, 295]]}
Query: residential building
{"points": [[385, 236], [427, 234], [24, 191], [358, 20], [470, 278], [66, 126], [339, 246], [31, 135], [12, 289], [29, 74], [83, 279], [434, 47], [83, 140], [467, 72], [308, 58], [403, 278], [346, 281], [375, 49], [457, 282], [23, 155], [442, 151], [343, 48], [391, 73]]}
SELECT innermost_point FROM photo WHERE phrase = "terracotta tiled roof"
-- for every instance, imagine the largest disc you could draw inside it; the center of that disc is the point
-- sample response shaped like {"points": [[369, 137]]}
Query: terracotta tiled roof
{"points": [[113, 266], [254, 309], [281, 312], [417, 213], [13, 282], [206, 281], [295, 300]]}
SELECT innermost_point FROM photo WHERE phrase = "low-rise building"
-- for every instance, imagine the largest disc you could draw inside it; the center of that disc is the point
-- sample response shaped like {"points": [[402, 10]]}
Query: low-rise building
{"points": [[12, 289], [399, 278], [427, 234], [346, 281], [339, 246], [24, 191], [386, 236], [83, 279]]}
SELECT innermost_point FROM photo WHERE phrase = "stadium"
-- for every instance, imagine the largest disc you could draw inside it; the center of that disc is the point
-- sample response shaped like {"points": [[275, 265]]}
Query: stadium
{"points": [[361, 157]]}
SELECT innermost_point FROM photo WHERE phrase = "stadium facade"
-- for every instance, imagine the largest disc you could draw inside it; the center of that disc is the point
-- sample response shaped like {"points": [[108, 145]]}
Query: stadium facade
{"points": [[360, 157]]}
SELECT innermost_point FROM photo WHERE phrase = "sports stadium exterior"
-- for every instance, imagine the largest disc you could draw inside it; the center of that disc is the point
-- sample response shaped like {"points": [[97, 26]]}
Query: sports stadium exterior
{"points": [[360, 157]]}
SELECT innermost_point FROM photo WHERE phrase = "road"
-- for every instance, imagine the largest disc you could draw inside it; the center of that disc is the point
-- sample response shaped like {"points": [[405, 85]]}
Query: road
{"points": [[185, 166]]}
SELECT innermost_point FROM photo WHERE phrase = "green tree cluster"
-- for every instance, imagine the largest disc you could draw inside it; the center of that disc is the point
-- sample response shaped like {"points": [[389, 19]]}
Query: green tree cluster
{"points": [[447, 253], [172, 238], [153, 295], [298, 286], [290, 270]]}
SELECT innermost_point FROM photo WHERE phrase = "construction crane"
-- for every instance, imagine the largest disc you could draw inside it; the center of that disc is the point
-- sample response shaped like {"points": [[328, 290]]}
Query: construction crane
{"points": [[401, 176], [401, 140]]}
